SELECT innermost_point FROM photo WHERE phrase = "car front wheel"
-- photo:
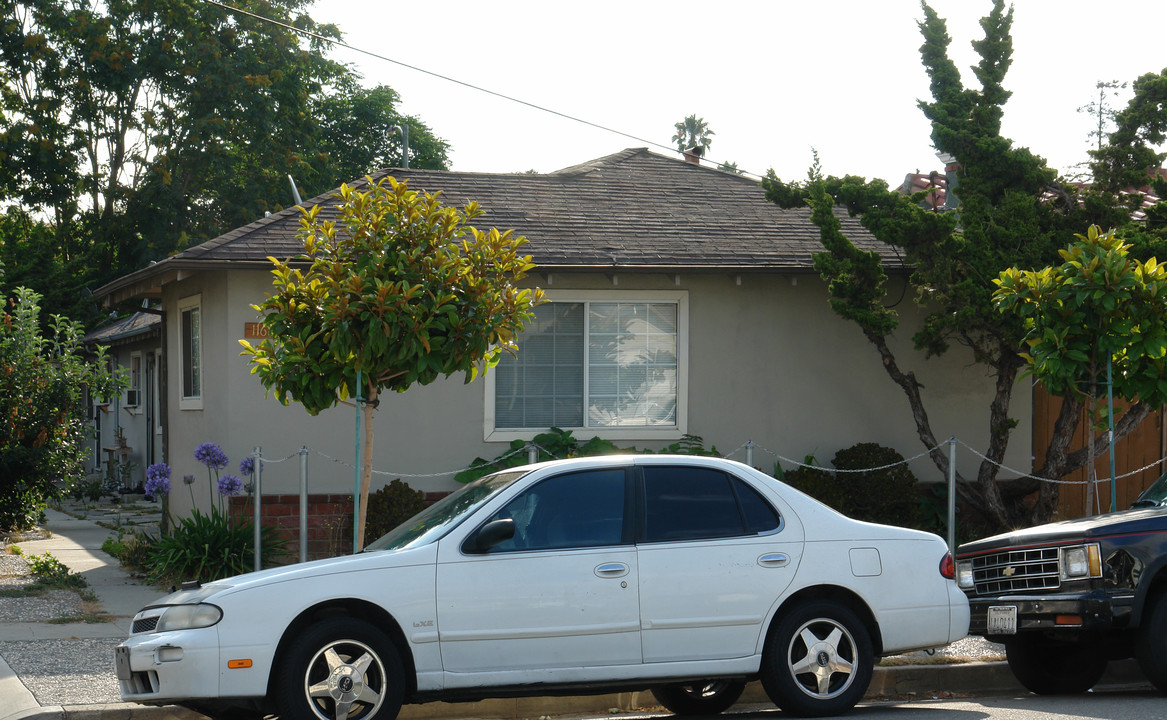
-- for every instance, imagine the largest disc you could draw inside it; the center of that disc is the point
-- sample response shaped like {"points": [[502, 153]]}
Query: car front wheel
{"points": [[1048, 668], [699, 698], [819, 660], [340, 669]]}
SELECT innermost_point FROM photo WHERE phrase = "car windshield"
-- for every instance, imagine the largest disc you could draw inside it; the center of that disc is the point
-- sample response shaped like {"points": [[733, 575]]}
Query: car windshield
{"points": [[433, 522], [1154, 495]]}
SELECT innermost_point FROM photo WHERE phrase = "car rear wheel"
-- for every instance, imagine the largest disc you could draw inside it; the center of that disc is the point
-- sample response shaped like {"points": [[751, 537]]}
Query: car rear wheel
{"points": [[340, 669], [1049, 668], [1151, 642], [699, 698], [818, 661]]}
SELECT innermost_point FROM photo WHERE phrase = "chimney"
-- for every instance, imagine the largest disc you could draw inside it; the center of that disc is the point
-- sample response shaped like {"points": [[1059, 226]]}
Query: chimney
{"points": [[693, 154], [951, 166]]}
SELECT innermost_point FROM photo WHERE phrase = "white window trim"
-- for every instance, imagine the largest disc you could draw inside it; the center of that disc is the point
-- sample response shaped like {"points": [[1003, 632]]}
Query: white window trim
{"points": [[136, 407], [676, 432], [194, 402]]}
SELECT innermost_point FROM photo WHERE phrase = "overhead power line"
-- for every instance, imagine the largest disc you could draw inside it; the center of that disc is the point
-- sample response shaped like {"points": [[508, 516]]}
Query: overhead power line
{"points": [[471, 86]]}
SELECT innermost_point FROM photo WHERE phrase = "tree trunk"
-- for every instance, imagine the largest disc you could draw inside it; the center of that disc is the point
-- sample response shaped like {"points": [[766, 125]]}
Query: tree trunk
{"points": [[368, 405]]}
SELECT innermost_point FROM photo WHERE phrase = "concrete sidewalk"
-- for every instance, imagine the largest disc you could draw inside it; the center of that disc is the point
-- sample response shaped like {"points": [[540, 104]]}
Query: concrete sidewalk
{"points": [[54, 671]]}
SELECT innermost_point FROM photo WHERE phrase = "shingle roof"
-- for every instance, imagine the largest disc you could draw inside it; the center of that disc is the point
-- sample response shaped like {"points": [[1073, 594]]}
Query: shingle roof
{"points": [[633, 210], [137, 325]]}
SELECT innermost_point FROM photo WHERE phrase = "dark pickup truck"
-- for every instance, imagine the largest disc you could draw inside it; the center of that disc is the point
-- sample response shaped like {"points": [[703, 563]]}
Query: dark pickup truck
{"points": [[1068, 597]]}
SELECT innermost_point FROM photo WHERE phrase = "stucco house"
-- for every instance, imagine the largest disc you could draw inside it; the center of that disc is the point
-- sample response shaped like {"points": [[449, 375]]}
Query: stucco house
{"points": [[127, 428], [705, 288]]}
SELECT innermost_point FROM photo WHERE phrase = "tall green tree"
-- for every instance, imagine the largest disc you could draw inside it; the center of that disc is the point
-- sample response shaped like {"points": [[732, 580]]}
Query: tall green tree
{"points": [[398, 291], [1012, 213], [1100, 313], [693, 132], [43, 380], [135, 128]]}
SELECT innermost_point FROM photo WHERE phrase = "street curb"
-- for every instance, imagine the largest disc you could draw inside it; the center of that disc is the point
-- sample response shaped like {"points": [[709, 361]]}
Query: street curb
{"points": [[983, 678]]}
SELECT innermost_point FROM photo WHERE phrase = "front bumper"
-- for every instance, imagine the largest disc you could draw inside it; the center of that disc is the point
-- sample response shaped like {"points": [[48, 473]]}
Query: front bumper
{"points": [[164, 668], [1084, 612]]}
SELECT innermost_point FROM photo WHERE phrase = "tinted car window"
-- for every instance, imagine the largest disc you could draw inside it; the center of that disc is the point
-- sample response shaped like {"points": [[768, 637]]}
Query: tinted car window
{"points": [[759, 513], [584, 509], [689, 504]]}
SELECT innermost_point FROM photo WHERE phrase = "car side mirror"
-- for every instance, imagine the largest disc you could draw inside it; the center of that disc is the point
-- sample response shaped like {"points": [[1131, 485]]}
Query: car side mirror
{"points": [[489, 535]]}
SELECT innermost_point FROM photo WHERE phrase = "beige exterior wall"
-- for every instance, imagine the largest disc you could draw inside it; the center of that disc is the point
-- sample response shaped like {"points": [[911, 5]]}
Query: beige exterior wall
{"points": [[767, 361]]}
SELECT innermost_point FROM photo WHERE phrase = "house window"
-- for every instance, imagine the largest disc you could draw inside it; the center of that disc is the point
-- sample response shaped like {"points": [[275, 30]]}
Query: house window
{"points": [[609, 364], [190, 330], [134, 391]]}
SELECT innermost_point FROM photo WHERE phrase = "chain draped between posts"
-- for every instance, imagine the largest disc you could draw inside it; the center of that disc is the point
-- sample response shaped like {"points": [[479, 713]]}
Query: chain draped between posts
{"points": [[533, 451]]}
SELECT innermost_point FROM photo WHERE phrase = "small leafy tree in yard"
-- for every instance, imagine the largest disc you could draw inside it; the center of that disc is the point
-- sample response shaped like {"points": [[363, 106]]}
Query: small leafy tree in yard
{"points": [[43, 378], [1100, 305], [399, 290]]}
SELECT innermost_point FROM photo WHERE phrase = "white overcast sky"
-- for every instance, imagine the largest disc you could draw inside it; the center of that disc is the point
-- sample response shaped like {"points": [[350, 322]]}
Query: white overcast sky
{"points": [[774, 79]]}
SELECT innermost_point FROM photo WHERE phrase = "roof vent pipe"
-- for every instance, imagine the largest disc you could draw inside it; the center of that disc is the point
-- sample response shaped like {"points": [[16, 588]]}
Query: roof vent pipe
{"points": [[403, 129]]}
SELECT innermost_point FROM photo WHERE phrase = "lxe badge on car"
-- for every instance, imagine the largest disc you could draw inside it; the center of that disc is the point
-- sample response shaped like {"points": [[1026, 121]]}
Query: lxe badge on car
{"points": [[687, 576]]}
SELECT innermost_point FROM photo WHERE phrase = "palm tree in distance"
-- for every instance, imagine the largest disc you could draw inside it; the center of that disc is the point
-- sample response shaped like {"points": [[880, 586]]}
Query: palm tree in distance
{"points": [[693, 132]]}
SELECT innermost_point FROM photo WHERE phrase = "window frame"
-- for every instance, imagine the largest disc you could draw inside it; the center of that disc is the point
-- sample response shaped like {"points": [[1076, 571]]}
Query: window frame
{"points": [[680, 298], [735, 483], [135, 386], [193, 401]]}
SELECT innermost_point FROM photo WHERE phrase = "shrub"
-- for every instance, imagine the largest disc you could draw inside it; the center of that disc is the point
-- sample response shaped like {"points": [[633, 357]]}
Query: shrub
{"points": [[43, 437], [557, 443], [390, 506], [890, 495], [210, 547], [818, 483]]}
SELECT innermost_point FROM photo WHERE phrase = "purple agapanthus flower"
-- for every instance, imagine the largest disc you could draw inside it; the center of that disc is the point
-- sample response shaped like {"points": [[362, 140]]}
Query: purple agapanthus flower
{"points": [[188, 479], [211, 455], [230, 485], [247, 466], [157, 480]]}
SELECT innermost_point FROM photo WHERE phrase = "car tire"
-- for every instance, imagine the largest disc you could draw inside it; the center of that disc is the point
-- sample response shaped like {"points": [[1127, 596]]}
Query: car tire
{"points": [[818, 660], [708, 697], [1151, 642], [1049, 668], [340, 668]]}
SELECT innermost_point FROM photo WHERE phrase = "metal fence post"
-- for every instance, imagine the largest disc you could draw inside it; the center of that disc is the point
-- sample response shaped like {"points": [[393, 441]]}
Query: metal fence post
{"points": [[750, 453], [303, 504], [257, 466], [532, 453], [952, 496]]}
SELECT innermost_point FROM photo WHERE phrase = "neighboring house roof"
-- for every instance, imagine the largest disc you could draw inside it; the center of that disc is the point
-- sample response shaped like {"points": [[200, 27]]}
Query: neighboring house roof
{"points": [[937, 183], [630, 211], [934, 182], [138, 326]]}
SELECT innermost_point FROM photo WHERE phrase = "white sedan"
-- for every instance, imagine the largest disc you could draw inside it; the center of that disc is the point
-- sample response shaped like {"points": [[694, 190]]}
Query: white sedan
{"points": [[684, 575]]}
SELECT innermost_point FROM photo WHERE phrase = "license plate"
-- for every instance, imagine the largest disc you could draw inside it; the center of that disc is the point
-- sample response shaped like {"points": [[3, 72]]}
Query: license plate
{"points": [[1002, 620], [121, 662]]}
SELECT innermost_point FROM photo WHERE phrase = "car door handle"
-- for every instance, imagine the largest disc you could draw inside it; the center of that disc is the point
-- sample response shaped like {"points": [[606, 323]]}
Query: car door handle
{"points": [[774, 560], [612, 570]]}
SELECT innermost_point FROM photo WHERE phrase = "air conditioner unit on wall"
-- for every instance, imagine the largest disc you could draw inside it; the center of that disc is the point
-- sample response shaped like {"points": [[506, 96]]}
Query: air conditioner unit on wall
{"points": [[132, 397]]}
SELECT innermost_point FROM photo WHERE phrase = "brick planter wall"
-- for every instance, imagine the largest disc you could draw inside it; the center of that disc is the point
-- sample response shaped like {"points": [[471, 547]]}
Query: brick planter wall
{"points": [[330, 521]]}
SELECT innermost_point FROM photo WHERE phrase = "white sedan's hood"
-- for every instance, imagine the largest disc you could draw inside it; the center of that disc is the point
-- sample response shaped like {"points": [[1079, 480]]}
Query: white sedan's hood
{"points": [[375, 560]]}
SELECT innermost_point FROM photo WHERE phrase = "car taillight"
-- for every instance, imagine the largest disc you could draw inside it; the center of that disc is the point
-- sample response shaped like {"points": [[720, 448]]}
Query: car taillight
{"points": [[947, 566]]}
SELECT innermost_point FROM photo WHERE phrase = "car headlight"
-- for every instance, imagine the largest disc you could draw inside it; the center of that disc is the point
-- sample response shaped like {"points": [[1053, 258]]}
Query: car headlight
{"points": [[1081, 561], [964, 574], [188, 617]]}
